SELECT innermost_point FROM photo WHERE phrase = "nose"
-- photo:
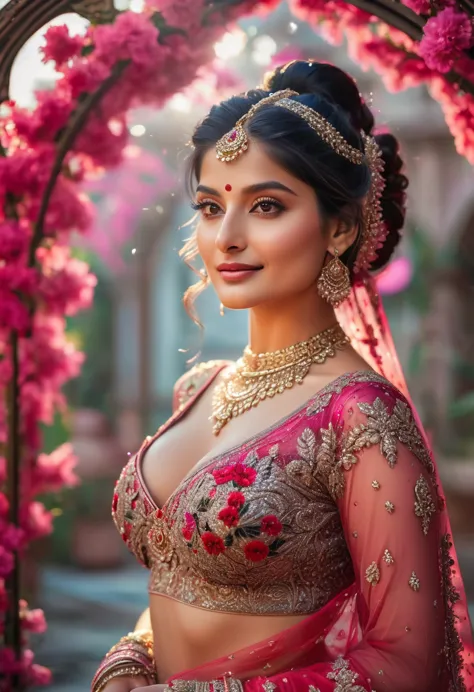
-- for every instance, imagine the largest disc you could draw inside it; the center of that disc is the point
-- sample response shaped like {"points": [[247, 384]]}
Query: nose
{"points": [[231, 234]]}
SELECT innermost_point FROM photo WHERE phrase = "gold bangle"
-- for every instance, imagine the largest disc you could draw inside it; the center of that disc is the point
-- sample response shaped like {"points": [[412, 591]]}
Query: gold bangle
{"points": [[118, 672], [143, 638]]}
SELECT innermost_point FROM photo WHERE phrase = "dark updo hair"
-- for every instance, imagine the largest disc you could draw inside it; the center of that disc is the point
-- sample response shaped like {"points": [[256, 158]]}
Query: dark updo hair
{"points": [[340, 185]]}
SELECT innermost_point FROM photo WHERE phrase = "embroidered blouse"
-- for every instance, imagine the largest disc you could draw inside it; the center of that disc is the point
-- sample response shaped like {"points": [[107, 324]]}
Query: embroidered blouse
{"points": [[340, 492]]}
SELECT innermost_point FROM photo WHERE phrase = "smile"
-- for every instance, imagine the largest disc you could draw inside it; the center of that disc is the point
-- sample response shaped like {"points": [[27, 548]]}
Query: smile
{"points": [[233, 273]]}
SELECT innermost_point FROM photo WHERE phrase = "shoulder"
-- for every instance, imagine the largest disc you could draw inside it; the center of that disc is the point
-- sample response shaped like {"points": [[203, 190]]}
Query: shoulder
{"points": [[194, 379], [366, 412]]}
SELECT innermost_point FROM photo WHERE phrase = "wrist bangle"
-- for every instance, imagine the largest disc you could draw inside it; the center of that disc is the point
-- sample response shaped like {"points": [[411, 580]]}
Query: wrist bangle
{"points": [[117, 672], [132, 655]]}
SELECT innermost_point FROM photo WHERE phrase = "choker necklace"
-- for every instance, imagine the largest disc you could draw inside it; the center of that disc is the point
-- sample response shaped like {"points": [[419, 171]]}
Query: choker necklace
{"points": [[254, 377]]}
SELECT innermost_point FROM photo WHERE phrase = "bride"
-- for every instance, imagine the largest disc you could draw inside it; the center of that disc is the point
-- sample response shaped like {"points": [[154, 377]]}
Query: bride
{"points": [[296, 536]]}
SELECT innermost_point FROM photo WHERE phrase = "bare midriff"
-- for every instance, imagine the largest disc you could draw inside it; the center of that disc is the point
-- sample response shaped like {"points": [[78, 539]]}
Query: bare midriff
{"points": [[186, 637]]}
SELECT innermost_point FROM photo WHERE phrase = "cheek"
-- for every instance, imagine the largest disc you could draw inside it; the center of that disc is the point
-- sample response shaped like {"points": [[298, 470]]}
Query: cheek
{"points": [[204, 241], [296, 242]]}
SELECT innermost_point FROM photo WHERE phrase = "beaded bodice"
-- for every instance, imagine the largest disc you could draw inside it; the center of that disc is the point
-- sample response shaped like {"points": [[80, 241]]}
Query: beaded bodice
{"points": [[256, 529]]}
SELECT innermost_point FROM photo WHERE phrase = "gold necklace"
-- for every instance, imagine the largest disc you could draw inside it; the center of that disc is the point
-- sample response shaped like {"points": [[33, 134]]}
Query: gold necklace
{"points": [[254, 377]]}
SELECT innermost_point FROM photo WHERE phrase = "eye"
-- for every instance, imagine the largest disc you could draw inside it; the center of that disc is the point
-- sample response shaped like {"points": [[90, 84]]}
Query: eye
{"points": [[268, 206], [207, 207]]}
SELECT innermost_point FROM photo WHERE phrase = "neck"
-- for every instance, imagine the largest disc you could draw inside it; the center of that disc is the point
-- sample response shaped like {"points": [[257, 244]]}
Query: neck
{"points": [[279, 325]]}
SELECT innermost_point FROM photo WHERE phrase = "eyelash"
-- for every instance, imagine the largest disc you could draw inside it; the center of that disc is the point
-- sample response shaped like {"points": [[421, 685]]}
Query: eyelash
{"points": [[200, 206]]}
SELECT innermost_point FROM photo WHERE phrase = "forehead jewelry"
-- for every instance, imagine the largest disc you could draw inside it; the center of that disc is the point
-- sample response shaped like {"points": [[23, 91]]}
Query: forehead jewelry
{"points": [[235, 142], [228, 188], [374, 232]]}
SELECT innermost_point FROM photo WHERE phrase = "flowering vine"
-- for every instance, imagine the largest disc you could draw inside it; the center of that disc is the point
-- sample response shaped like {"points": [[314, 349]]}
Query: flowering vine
{"points": [[46, 155], [432, 45]]}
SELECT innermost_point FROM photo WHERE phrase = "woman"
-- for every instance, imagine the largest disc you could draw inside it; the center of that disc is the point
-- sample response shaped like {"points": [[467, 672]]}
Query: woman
{"points": [[296, 537]]}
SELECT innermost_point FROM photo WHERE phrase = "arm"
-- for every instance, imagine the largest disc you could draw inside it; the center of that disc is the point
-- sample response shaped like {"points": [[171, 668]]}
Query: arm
{"points": [[381, 482], [144, 621]]}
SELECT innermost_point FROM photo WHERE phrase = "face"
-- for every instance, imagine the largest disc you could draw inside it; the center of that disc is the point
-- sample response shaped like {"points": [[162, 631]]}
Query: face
{"points": [[260, 233]]}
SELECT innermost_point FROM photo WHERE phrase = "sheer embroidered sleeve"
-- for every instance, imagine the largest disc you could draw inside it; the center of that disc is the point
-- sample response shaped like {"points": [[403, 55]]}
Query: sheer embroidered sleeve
{"points": [[380, 474]]}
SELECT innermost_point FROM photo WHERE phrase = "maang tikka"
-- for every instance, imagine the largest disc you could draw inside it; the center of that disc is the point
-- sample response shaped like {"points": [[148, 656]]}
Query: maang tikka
{"points": [[334, 283]]}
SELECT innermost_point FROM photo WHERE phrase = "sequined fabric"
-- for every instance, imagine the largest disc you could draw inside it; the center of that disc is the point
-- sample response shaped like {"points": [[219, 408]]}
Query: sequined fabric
{"points": [[255, 530]]}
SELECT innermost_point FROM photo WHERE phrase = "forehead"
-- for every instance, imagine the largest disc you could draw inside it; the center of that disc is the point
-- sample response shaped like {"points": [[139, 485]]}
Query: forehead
{"points": [[253, 166]]}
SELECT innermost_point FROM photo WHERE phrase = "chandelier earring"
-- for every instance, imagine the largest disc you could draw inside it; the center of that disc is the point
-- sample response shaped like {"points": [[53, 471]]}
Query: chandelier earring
{"points": [[204, 276], [221, 309], [334, 283]]}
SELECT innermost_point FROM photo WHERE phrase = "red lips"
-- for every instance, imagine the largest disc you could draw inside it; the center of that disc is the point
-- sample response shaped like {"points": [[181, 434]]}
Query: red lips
{"points": [[235, 267]]}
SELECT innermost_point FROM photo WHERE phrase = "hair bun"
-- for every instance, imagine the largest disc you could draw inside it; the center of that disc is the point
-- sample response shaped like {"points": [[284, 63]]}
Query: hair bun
{"points": [[327, 81]]}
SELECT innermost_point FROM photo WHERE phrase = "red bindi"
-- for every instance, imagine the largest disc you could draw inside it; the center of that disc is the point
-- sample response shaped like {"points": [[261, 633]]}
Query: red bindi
{"points": [[228, 187]]}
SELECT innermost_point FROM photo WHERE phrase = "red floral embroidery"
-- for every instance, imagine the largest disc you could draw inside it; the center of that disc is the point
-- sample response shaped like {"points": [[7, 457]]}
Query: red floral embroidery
{"points": [[115, 502], [229, 515], [212, 492], [213, 544], [271, 525], [236, 499], [243, 475], [158, 514], [256, 551], [224, 475], [189, 527]]}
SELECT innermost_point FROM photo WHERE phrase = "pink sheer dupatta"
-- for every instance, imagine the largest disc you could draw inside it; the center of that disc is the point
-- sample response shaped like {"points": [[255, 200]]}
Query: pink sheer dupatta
{"points": [[403, 626]]}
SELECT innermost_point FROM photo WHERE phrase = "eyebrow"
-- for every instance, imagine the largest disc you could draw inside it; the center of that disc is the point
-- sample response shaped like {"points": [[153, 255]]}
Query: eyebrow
{"points": [[250, 189]]}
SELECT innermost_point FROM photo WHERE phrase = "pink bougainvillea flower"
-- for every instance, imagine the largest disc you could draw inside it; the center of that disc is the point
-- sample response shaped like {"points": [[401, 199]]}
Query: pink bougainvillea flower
{"points": [[6, 565], [131, 37], [445, 37], [14, 238], [56, 470], [32, 620], [418, 6], [60, 46]]}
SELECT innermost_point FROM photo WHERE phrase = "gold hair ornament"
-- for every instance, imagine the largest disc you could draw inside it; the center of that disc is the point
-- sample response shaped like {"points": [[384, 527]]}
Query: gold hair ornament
{"points": [[374, 231], [235, 142]]}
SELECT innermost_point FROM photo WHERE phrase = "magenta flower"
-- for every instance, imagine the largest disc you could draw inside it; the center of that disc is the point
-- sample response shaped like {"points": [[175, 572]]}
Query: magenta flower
{"points": [[419, 6], [446, 36], [6, 562], [60, 45], [13, 240]]}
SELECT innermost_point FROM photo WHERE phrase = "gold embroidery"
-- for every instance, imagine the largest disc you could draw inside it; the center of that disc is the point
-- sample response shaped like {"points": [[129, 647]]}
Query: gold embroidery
{"points": [[309, 562], [388, 557], [390, 507], [375, 485], [192, 381], [380, 428], [424, 505], [312, 688], [229, 582], [453, 645], [414, 582], [344, 677], [372, 574], [268, 686], [230, 685]]}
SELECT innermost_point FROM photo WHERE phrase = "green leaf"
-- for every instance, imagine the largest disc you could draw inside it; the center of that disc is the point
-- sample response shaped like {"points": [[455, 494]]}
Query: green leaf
{"points": [[228, 541], [247, 531], [87, 50], [245, 509], [277, 543]]}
